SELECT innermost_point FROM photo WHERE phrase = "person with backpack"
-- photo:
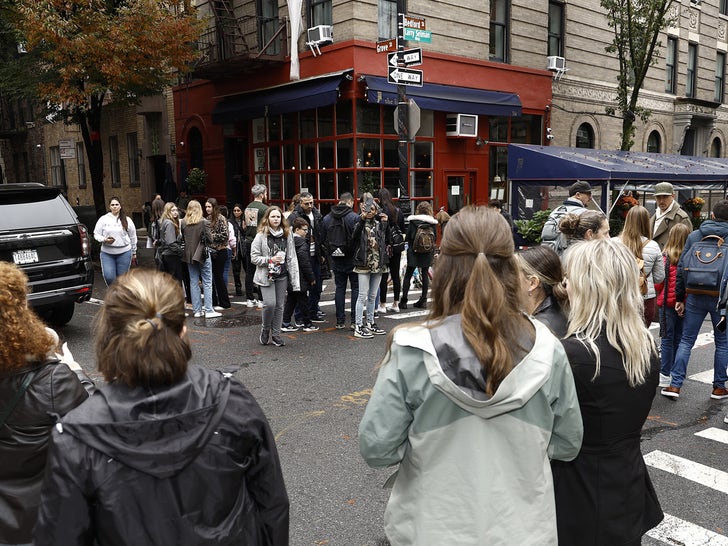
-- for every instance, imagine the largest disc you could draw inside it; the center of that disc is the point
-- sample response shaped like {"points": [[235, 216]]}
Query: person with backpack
{"points": [[421, 237], [580, 193], [338, 229], [696, 294], [396, 246], [635, 236]]}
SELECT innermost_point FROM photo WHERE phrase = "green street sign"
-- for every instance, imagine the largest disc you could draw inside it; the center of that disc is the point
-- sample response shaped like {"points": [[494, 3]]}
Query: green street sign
{"points": [[418, 35]]}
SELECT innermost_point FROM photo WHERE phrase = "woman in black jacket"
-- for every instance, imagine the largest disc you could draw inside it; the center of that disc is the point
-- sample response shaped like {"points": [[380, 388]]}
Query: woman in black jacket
{"points": [[419, 258], [542, 276], [396, 218], [165, 453], [35, 387]]}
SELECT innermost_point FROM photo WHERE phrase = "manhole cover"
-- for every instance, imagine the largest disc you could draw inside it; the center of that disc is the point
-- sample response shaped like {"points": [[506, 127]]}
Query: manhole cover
{"points": [[229, 320]]}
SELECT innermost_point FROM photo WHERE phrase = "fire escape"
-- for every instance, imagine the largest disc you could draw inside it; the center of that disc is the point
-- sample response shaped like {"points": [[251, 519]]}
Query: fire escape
{"points": [[239, 43]]}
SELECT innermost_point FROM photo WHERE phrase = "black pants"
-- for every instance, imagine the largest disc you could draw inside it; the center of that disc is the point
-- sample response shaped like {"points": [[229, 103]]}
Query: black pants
{"points": [[424, 277], [251, 291], [172, 264], [297, 299], [237, 269], [394, 261], [219, 288]]}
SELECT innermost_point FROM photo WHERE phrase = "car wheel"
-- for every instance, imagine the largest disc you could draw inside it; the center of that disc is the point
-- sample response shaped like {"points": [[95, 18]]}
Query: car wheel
{"points": [[62, 314]]}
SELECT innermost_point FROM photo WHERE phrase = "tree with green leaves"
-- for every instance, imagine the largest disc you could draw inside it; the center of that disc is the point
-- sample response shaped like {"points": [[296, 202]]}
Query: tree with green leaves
{"points": [[93, 52], [637, 25]]}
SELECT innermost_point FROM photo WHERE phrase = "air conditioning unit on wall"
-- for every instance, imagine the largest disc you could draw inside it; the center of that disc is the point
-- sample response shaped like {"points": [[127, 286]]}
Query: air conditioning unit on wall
{"points": [[462, 125], [555, 63], [321, 34]]}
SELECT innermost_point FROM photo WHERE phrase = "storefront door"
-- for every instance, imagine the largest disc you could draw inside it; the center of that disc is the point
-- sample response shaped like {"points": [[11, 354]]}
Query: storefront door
{"points": [[459, 189]]}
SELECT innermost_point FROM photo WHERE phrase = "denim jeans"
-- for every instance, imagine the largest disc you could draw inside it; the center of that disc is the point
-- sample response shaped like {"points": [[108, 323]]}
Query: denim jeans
{"points": [[204, 272], [342, 273], [368, 287], [696, 308], [114, 265], [274, 298], [673, 328]]}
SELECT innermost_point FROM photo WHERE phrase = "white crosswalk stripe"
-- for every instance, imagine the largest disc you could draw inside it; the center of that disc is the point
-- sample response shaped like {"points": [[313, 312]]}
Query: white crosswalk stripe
{"points": [[690, 470], [674, 530]]}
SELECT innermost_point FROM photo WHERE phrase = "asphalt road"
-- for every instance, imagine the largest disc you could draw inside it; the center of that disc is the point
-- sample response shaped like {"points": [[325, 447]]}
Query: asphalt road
{"points": [[314, 391]]}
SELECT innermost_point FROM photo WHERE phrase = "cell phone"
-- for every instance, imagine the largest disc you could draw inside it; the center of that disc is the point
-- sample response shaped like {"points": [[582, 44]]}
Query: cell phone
{"points": [[112, 238]]}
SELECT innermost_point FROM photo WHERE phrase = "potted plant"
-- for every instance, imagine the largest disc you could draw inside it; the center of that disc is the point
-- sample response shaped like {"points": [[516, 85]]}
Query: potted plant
{"points": [[694, 205], [530, 230], [623, 204], [196, 181]]}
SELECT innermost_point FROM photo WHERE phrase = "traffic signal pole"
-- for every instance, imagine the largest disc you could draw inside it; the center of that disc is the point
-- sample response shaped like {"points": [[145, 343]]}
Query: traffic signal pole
{"points": [[402, 116]]}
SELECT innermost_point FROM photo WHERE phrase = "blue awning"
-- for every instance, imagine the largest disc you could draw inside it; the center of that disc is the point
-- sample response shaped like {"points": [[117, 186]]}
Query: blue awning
{"points": [[281, 99], [447, 98], [552, 165]]}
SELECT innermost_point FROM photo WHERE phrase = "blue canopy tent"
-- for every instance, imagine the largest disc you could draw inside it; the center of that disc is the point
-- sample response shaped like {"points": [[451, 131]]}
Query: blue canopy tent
{"points": [[532, 167]]}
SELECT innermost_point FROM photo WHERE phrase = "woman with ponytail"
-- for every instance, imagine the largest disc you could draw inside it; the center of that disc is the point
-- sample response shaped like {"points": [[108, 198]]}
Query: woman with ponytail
{"points": [[476, 399]]}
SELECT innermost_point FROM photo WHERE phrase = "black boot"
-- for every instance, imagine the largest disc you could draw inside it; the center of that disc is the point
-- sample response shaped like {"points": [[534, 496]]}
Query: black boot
{"points": [[403, 304], [421, 303]]}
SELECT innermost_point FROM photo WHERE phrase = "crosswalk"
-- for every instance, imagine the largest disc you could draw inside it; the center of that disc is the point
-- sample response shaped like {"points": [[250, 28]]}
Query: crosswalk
{"points": [[673, 529]]}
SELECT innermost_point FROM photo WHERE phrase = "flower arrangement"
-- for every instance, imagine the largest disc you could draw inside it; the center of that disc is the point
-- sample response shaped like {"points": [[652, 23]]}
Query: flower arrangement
{"points": [[694, 204], [625, 203], [196, 181]]}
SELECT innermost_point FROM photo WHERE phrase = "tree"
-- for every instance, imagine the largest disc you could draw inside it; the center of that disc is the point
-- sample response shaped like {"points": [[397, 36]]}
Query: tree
{"points": [[637, 25], [96, 51]]}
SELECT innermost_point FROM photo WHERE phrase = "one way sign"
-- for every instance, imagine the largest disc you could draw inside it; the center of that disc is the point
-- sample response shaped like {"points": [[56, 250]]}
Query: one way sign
{"points": [[404, 76], [412, 57]]}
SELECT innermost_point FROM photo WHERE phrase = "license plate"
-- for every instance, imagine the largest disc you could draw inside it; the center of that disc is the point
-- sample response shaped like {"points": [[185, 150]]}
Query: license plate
{"points": [[22, 257]]}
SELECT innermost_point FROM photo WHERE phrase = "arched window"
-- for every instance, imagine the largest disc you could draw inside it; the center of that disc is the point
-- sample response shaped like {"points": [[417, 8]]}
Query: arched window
{"points": [[194, 141], [716, 148], [654, 143], [585, 136]]}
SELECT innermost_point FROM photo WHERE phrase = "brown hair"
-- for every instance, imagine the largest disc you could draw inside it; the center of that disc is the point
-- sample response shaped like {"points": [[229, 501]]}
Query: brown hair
{"points": [[575, 226], [424, 207], [139, 330], [636, 226], [122, 214], [23, 336], [675, 244], [263, 228], [479, 278]]}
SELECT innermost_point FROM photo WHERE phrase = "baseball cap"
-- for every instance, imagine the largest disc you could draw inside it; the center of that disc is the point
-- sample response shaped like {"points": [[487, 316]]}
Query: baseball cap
{"points": [[664, 188], [579, 187]]}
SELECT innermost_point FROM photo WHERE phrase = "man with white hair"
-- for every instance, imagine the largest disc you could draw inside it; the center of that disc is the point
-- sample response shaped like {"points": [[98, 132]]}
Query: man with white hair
{"points": [[667, 214]]}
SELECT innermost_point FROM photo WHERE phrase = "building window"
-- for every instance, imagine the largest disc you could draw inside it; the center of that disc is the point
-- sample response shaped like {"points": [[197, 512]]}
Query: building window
{"points": [[692, 68], [387, 19], [716, 148], [654, 142], [585, 136], [719, 76], [724, 7], [268, 25], [671, 65], [133, 158], [319, 12], [194, 141], [499, 30], [58, 173], [81, 164], [556, 29], [114, 162]]}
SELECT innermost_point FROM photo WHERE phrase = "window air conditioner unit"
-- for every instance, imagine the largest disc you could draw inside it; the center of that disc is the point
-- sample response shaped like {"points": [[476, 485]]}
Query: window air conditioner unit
{"points": [[321, 35], [462, 125], [557, 64]]}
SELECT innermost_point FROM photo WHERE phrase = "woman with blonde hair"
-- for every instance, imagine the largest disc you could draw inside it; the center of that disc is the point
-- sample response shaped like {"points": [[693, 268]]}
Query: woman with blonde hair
{"points": [[543, 277], [35, 388], [184, 452], [636, 237], [605, 495], [273, 253], [172, 242], [196, 230], [478, 386]]}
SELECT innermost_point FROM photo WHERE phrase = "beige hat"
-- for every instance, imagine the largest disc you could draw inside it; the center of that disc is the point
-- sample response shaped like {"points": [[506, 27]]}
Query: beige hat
{"points": [[664, 188]]}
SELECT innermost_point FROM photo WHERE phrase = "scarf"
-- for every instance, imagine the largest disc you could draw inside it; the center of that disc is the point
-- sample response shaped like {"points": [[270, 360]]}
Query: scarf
{"points": [[276, 232]]}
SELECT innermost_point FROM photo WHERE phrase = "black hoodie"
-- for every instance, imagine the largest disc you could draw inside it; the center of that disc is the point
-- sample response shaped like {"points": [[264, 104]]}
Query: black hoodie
{"points": [[191, 463]]}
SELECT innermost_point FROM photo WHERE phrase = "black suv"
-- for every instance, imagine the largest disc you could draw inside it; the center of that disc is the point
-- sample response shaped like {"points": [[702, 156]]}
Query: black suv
{"points": [[40, 232]]}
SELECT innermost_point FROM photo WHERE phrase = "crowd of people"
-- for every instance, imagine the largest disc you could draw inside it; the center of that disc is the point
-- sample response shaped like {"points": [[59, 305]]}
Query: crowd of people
{"points": [[534, 367]]}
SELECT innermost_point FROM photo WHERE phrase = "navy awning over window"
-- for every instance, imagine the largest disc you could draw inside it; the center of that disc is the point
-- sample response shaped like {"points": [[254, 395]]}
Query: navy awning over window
{"points": [[447, 98], [281, 99]]}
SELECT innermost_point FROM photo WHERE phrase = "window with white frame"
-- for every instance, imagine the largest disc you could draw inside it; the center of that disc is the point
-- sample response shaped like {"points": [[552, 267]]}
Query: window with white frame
{"points": [[499, 30], [58, 173], [387, 19], [671, 65], [691, 70]]}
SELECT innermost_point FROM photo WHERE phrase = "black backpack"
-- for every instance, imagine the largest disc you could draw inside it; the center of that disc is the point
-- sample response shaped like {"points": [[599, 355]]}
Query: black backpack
{"points": [[338, 239], [704, 265], [424, 242]]}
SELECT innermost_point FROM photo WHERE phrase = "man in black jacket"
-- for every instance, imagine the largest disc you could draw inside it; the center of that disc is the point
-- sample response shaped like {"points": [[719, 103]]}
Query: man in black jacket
{"points": [[314, 238], [341, 260]]}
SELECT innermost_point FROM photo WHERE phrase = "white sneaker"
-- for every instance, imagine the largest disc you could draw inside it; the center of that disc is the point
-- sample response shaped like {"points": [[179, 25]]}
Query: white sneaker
{"points": [[199, 314], [218, 308], [250, 303], [664, 380], [214, 314], [382, 310], [259, 304], [394, 308]]}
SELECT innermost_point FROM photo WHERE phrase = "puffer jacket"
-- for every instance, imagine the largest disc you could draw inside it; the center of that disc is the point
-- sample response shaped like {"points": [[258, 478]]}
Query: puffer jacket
{"points": [[667, 287], [654, 266], [55, 390], [189, 463]]}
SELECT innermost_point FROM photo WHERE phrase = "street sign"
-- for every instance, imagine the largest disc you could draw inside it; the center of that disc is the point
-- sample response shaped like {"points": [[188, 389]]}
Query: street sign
{"points": [[412, 57], [413, 119], [386, 45], [404, 76], [413, 22], [67, 149], [418, 35]]}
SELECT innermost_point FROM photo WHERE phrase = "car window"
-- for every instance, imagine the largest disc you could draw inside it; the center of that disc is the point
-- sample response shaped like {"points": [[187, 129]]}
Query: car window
{"points": [[32, 209]]}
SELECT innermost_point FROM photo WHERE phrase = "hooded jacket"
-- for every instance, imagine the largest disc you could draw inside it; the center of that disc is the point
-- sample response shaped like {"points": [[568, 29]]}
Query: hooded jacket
{"points": [[473, 469], [413, 222], [709, 227], [190, 463], [350, 219]]}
